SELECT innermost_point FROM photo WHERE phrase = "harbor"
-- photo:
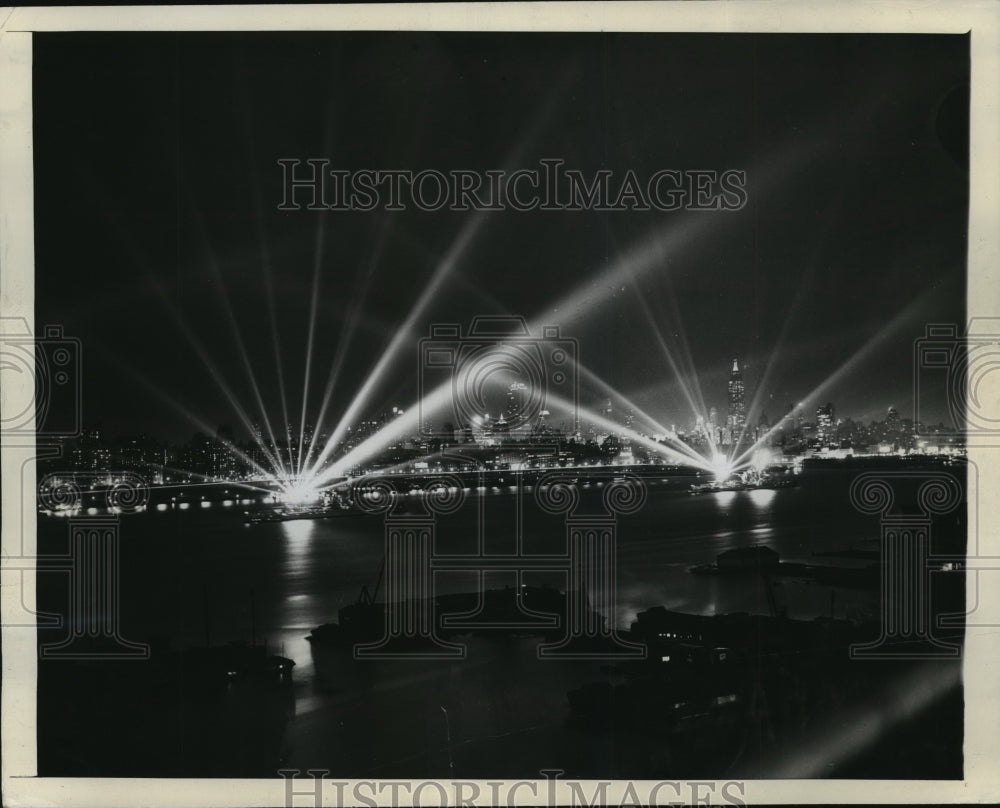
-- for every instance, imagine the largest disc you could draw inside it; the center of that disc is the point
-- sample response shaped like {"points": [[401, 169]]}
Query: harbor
{"points": [[316, 594]]}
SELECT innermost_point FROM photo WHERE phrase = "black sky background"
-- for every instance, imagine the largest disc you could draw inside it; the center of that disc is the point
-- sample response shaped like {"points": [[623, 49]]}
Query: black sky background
{"points": [[156, 155]]}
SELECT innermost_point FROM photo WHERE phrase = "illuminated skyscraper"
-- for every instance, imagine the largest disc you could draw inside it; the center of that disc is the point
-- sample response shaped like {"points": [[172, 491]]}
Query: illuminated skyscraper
{"points": [[714, 431], [737, 404], [516, 403], [825, 425], [892, 418]]}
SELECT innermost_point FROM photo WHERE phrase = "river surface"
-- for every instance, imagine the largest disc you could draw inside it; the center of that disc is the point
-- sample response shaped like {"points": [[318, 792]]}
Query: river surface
{"points": [[204, 574]]}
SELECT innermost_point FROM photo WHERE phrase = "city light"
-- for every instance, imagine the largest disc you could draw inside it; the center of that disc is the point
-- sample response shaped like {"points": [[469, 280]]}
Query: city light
{"points": [[444, 269], [318, 457], [351, 403], [721, 444], [762, 458], [300, 492], [903, 318], [722, 466]]}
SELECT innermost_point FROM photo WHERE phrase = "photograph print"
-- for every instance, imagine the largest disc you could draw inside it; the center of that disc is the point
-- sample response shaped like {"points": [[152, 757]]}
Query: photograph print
{"points": [[468, 406]]}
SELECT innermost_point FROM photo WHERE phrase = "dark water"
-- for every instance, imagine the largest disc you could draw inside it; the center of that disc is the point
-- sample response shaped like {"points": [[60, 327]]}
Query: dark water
{"points": [[187, 576]]}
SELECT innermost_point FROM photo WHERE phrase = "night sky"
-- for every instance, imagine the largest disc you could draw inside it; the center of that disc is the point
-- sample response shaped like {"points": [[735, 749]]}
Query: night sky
{"points": [[157, 186]]}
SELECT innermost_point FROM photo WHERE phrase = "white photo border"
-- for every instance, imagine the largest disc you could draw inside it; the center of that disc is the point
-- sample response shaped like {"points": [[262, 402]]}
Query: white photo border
{"points": [[21, 786]]}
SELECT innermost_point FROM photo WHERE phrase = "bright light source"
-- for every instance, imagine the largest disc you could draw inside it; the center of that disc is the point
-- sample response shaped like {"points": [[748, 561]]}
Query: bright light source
{"points": [[722, 466], [762, 458], [299, 492]]}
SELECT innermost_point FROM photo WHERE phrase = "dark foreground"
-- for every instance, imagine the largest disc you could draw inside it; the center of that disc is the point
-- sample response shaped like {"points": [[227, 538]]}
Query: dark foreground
{"points": [[757, 691]]}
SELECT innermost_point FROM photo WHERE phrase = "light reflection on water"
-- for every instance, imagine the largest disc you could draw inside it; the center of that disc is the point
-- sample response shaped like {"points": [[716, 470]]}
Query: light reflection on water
{"points": [[296, 569], [303, 571], [762, 497], [724, 498], [298, 532]]}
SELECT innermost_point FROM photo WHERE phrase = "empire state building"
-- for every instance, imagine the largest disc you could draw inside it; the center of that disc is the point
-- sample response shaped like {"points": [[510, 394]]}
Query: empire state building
{"points": [[737, 403]]}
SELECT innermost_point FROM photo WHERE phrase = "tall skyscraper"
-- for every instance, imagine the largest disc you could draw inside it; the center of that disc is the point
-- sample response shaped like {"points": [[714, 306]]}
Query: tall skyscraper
{"points": [[825, 425], [737, 404], [516, 404]]}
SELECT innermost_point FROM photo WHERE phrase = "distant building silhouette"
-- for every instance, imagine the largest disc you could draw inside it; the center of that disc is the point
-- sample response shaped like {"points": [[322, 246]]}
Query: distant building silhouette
{"points": [[825, 424], [737, 402]]}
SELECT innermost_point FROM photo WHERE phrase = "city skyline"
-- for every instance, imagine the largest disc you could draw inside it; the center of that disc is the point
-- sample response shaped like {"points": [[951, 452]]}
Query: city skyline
{"points": [[612, 378], [628, 420], [796, 432], [208, 293]]}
